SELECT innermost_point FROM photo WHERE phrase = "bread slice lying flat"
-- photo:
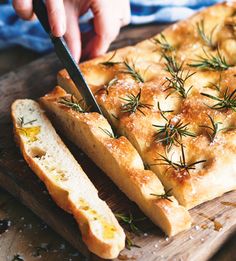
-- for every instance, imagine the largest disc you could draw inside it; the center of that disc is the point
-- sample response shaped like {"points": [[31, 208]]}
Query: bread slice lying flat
{"points": [[118, 159], [65, 180]]}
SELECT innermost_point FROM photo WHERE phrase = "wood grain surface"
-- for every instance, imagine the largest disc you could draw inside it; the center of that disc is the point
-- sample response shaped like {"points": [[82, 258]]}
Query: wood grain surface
{"points": [[199, 243]]}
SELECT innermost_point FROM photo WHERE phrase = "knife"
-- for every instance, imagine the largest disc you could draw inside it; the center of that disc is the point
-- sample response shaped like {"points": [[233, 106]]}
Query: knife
{"points": [[66, 58]]}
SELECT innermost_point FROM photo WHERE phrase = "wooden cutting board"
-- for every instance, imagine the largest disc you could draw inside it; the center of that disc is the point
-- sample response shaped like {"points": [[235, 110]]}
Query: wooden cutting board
{"points": [[213, 221]]}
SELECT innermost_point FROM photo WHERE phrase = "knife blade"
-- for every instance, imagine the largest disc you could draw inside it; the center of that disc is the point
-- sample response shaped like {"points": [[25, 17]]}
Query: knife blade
{"points": [[66, 58]]}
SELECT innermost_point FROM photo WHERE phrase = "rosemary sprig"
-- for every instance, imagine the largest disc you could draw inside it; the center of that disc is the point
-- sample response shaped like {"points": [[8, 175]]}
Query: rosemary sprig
{"points": [[207, 39], [215, 62], [216, 86], [109, 62], [130, 221], [214, 128], [181, 165], [172, 65], [177, 84], [172, 132], [110, 134], [178, 77], [165, 195], [72, 103], [133, 103], [106, 87], [129, 243], [22, 122], [163, 43], [227, 101], [131, 70], [114, 116]]}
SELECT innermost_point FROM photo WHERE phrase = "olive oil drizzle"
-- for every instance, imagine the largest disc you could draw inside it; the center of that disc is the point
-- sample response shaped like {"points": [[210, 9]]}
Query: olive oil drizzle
{"points": [[217, 225], [108, 229], [230, 204]]}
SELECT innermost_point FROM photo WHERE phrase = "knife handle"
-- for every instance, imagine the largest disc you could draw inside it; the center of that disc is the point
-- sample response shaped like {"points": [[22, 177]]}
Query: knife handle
{"points": [[40, 10]]}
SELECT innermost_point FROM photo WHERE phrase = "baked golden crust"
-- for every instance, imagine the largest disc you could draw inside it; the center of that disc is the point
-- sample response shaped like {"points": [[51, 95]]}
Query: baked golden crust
{"points": [[208, 35], [119, 160]]}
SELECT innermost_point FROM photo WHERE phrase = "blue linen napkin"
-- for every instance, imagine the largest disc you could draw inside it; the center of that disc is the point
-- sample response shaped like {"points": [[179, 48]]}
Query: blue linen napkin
{"points": [[15, 31]]}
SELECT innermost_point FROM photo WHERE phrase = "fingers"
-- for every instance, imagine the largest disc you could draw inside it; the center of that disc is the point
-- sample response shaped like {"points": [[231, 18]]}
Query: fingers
{"points": [[56, 16], [109, 16], [125, 10], [106, 27], [24, 8], [72, 35]]}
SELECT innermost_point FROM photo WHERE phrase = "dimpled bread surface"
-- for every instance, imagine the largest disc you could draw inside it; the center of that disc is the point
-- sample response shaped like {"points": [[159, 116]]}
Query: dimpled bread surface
{"points": [[208, 169]]}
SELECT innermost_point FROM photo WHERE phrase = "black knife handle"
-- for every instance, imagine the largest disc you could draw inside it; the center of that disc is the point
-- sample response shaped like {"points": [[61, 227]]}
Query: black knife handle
{"points": [[41, 11]]}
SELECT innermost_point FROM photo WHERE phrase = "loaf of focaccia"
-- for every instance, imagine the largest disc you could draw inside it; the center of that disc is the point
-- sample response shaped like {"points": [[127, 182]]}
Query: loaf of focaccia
{"points": [[65, 180], [174, 98], [118, 159]]}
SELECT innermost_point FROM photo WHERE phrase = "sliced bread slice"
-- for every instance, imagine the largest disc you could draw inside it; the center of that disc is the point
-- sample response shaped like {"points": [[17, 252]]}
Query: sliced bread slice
{"points": [[65, 180]]}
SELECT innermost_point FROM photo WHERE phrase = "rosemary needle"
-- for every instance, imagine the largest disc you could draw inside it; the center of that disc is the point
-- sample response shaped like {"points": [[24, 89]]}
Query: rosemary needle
{"points": [[214, 128], [216, 86], [23, 123], [215, 62], [133, 103], [72, 103], [165, 195], [162, 112], [109, 62], [109, 133], [107, 86], [130, 221], [132, 71], [129, 243], [172, 132], [207, 39], [227, 101], [172, 66], [178, 77], [181, 165], [163, 43]]}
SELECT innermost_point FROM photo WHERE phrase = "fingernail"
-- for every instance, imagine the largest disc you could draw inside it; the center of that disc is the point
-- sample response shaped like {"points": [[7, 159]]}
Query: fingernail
{"points": [[58, 30]]}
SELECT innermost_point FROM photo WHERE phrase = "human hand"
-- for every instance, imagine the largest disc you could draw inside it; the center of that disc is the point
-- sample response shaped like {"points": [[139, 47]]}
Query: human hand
{"points": [[109, 17]]}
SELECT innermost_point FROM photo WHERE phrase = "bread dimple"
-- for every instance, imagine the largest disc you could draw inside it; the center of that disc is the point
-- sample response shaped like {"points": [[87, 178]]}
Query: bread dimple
{"points": [[65, 180]]}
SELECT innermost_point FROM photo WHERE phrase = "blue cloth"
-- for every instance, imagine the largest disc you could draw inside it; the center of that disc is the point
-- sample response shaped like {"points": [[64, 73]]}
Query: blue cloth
{"points": [[14, 31]]}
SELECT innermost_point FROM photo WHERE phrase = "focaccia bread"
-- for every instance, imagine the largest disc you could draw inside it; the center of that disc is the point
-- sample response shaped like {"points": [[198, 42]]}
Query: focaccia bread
{"points": [[65, 180], [118, 159], [174, 98]]}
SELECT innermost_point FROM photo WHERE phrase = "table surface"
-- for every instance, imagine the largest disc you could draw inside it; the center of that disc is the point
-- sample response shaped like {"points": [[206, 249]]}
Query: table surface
{"points": [[27, 236]]}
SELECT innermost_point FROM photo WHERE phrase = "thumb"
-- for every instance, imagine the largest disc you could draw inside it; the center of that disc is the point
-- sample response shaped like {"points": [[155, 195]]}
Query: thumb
{"points": [[106, 27]]}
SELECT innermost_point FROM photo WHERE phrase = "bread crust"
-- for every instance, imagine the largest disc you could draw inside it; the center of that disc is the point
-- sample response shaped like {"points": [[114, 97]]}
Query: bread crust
{"points": [[217, 175], [65, 180]]}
